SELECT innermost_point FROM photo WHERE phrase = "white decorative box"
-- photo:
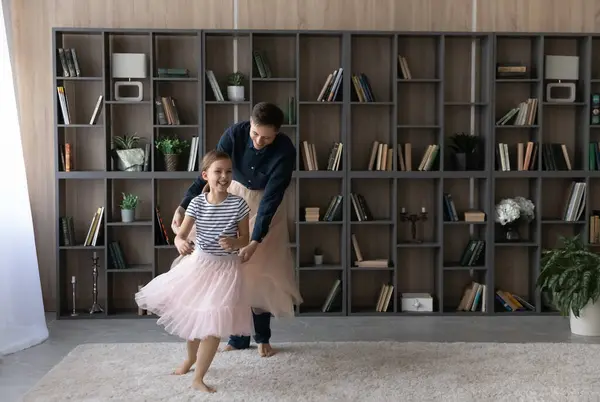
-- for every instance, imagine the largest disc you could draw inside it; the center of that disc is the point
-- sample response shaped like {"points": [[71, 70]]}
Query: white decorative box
{"points": [[417, 302]]}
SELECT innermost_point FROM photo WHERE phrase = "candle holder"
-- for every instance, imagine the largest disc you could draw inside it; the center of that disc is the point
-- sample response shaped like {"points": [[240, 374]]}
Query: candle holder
{"points": [[74, 313], [413, 219], [95, 306]]}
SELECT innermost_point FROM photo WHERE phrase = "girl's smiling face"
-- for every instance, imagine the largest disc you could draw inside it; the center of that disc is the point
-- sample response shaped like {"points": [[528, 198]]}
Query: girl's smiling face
{"points": [[219, 175]]}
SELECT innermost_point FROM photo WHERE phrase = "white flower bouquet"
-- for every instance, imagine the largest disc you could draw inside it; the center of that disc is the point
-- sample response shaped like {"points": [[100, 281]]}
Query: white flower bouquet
{"points": [[511, 210]]}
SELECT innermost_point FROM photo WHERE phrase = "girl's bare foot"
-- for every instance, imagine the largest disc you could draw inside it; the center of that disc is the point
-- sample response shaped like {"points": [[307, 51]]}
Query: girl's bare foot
{"points": [[185, 367], [228, 348], [265, 350], [201, 386]]}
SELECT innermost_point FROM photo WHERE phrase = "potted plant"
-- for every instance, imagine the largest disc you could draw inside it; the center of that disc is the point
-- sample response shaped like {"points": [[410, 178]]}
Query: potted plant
{"points": [[318, 256], [466, 149], [128, 205], [171, 147], [128, 156], [235, 87], [511, 212], [571, 274]]}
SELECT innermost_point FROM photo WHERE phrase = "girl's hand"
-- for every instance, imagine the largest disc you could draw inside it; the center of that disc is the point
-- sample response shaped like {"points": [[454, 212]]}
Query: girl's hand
{"points": [[183, 246], [247, 252], [228, 243]]}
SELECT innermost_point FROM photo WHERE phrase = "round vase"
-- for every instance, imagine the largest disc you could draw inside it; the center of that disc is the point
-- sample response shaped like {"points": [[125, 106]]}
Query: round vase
{"points": [[235, 94], [318, 260], [127, 215], [511, 233], [460, 161]]}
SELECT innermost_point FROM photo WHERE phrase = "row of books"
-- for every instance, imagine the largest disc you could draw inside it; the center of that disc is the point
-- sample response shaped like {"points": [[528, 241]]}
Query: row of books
{"points": [[475, 299], [67, 237], [311, 162], [64, 116], [522, 115], [473, 254], [166, 111], [575, 202], [382, 155], [69, 62], [331, 90]]}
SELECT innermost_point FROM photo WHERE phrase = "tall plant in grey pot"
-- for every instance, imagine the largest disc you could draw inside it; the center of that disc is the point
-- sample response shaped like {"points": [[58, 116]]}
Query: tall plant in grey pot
{"points": [[571, 275], [171, 147], [128, 205]]}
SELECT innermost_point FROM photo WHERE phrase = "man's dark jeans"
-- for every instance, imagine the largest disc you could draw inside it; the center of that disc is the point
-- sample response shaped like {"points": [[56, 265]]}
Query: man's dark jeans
{"points": [[262, 332]]}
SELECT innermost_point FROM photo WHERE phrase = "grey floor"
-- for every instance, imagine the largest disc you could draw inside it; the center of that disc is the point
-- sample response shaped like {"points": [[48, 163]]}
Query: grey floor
{"points": [[20, 371]]}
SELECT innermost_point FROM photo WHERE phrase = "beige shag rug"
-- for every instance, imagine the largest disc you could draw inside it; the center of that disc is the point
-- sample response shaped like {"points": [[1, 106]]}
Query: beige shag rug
{"points": [[340, 371]]}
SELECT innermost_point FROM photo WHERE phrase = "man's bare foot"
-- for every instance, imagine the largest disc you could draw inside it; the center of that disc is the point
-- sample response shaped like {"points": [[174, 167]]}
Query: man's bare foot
{"points": [[265, 350], [201, 386], [184, 368], [228, 348]]}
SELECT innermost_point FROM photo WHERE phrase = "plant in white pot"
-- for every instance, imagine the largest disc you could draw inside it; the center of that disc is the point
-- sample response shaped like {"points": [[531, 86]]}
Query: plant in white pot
{"points": [[318, 256], [235, 87], [127, 154], [128, 205], [571, 275]]}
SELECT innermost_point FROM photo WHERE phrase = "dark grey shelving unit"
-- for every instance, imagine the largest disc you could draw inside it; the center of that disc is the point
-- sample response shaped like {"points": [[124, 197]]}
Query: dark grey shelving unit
{"points": [[435, 103]]}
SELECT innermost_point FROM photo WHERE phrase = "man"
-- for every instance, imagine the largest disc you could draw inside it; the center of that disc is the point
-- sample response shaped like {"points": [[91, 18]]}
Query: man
{"points": [[263, 163]]}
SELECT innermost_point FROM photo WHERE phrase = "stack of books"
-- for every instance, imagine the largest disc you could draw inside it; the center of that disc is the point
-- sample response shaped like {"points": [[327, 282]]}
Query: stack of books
{"points": [[311, 214]]}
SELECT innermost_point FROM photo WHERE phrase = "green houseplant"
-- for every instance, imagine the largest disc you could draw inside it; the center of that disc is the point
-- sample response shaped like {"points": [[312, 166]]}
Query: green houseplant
{"points": [[235, 86], [571, 275], [129, 202], [127, 154], [466, 149], [171, 147]]}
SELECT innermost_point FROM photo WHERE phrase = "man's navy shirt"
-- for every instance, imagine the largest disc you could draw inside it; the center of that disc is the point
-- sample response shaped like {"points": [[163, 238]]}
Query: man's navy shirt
{"points": [[269, 169]]}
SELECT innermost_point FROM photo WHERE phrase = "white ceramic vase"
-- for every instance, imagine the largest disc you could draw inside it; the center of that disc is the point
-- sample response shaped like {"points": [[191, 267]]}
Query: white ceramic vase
{"points": [[318, 260], [235, 94], [588, 323]]}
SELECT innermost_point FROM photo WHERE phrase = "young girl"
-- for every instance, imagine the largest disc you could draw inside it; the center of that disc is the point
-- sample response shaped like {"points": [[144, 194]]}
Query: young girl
{"points": [[202, 298]]}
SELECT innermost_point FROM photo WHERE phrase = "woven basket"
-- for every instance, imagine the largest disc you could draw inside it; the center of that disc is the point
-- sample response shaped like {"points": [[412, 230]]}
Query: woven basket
{"points": [[171, 162]]}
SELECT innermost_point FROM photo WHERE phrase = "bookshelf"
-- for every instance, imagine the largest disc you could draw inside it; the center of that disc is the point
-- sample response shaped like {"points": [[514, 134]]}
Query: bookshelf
{"points": [[412, 106]]}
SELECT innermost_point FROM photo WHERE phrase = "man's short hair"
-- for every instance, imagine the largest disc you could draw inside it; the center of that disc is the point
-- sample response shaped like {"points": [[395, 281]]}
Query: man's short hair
{"points": [[267, 114]]}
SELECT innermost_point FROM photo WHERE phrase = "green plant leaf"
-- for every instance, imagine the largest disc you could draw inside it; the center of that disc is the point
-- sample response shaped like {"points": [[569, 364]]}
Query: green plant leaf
{"points": [[129, 201], [236, 79], [171, 145], [125, 142], [571, 274]]}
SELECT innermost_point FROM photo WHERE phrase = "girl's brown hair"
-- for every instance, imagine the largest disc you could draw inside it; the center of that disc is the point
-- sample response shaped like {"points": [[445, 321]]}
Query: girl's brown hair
{"points": [[210, 158]]}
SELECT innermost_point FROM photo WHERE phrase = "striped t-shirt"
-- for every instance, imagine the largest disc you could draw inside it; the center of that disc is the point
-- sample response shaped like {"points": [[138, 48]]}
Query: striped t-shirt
{"points": [[214, 221]]}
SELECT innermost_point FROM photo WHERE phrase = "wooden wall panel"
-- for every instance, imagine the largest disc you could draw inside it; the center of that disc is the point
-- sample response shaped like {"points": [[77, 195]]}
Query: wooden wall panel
{"points": [[538, 15], [403, 15], [33, 20]]}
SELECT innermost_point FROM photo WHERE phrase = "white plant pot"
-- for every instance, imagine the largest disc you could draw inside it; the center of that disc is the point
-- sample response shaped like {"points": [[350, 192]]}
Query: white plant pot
{"points": [[318, 260], [235, 94], [127, 215], [588, 323]]}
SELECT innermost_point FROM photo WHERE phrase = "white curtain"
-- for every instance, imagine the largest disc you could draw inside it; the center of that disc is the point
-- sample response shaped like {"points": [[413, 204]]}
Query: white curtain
{"points": [[22, 321]]}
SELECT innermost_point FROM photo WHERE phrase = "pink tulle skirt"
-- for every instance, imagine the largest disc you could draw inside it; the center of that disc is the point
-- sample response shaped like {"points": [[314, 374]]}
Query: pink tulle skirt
{"points": [[269, 276], [201, 295]]}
